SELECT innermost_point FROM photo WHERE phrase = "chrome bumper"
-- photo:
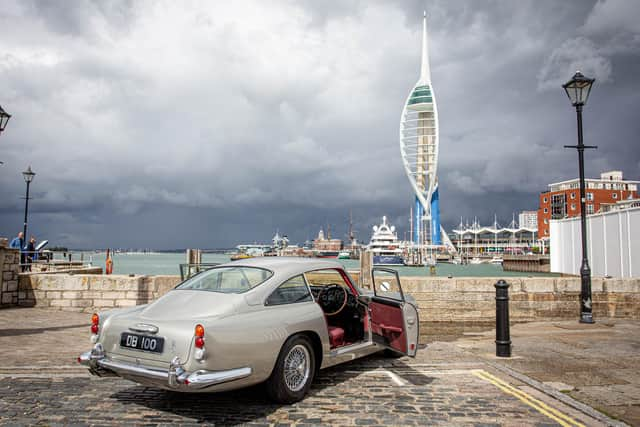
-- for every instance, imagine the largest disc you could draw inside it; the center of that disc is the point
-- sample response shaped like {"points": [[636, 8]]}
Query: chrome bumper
{"points": [[175, 377]]}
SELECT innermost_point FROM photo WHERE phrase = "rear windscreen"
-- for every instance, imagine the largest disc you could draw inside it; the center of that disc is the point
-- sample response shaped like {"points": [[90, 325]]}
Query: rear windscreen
{"points": [[229, 280]]}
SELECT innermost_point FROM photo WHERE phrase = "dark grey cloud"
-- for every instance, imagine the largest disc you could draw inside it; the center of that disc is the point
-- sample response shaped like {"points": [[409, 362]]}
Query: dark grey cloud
{"points": [[82, 17], [156, 124]]}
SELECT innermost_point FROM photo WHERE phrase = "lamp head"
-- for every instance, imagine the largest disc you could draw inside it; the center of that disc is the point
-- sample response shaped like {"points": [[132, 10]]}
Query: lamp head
{"points": [[4, 119], [28, 175], [578, 88]]}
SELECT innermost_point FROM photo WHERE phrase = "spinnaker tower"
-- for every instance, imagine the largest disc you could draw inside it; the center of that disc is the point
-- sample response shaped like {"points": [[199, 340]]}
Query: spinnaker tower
{"points": [[419, 149]]}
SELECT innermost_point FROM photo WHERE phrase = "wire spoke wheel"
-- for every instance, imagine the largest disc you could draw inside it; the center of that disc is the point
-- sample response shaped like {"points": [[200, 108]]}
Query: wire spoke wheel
{"points": [[297, 368], [294, 370]]}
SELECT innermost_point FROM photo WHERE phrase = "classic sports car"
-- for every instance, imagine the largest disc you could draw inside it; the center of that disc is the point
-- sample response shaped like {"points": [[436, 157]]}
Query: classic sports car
{"points": [[270, 319]]}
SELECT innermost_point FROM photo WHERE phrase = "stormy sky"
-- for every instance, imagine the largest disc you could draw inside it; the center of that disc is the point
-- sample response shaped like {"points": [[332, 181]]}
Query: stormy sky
{"points": [[163, 124]]}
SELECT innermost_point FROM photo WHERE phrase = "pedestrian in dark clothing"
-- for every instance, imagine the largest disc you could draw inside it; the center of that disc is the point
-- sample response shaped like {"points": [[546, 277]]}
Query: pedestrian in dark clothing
{"points": [[30, 251]]}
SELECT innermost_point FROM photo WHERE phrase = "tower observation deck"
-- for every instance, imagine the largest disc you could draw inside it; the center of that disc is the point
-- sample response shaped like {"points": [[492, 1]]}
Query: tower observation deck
{"points": [[419, 144]]}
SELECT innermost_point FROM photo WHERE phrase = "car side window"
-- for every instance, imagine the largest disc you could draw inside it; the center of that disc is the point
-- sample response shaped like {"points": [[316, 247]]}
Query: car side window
{"points": [[292, 291]]}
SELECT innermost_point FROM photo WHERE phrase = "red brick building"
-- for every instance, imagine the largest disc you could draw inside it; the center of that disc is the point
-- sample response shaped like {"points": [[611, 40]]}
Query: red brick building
{"points": [[562, 200]]}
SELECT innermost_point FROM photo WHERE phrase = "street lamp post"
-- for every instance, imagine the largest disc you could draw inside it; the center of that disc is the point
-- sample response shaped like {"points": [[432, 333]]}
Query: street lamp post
{"points": [[4, 119], [28, 177], [578, 89]]}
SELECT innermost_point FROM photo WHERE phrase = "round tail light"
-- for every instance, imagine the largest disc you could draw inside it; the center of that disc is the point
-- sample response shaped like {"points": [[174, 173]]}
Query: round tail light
{"points": [[95, 322], [199, 333]]}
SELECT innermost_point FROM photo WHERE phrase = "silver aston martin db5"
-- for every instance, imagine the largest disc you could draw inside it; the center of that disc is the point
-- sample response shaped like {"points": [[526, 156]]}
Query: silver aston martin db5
{"points": [[276, 320]]}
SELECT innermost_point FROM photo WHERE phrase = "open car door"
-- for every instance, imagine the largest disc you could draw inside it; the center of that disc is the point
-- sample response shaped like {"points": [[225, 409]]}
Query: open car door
{"points": [[394, 320]]}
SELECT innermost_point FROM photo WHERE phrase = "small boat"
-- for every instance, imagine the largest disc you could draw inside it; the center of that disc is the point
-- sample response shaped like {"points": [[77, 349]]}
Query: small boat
{"points": [[496, 260], [240, 255], [344, 255], [475, 260], [326, 254]]}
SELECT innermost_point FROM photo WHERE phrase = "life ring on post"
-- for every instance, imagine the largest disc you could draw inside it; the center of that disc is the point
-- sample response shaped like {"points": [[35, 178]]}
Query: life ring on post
{"points": [[109, 264]]}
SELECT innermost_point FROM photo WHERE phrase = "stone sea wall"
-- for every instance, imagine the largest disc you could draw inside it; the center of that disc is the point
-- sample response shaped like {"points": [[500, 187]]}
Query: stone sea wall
{"points": [[445, 300], [9, 270], [91, 292], [531, 298]]}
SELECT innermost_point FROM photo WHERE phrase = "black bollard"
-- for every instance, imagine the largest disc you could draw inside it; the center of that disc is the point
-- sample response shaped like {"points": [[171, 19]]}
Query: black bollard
{"points": [[503, 340]]}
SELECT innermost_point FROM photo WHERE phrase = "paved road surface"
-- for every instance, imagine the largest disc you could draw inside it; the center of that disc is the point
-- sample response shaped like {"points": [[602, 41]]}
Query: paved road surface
{"points": [[41, 384]]}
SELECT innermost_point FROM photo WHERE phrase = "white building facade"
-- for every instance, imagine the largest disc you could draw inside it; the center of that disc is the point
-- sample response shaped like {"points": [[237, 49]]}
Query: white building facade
{"points": [[528, 219], [613, 247]]}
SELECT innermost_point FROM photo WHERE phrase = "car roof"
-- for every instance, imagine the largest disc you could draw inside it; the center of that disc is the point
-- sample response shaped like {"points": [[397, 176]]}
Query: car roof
{"points": [[286, 266]]}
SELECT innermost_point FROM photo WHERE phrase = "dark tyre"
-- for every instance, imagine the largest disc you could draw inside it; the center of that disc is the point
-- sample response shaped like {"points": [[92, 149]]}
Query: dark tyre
{"points": [[292, 376], [390, 354]]}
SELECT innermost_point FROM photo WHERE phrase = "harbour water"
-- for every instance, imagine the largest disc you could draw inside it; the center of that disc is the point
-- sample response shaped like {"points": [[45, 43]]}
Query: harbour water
{"points": [[161, 263]]}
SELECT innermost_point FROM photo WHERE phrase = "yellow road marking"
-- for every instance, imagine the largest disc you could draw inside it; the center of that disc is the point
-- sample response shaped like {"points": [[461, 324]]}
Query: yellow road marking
{"points": [[552, 413]]}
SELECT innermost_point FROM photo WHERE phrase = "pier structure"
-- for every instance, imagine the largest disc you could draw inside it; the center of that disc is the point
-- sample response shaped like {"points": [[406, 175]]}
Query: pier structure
{"points": [[477, 241], [419, 144]]}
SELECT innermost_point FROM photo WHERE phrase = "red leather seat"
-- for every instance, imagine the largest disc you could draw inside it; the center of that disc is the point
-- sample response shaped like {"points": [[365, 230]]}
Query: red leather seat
{"points": [[336, 336]]}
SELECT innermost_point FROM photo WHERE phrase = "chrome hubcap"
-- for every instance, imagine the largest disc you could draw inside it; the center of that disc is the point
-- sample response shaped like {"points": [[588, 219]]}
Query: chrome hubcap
{"points": [[296, 368]]}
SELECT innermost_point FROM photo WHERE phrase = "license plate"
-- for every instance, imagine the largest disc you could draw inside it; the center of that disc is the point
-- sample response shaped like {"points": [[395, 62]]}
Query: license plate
{"points": [[142, 342]]}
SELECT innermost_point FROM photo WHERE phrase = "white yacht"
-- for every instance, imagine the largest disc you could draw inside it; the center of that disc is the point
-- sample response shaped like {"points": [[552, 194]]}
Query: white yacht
{"points": [[385, 246]]}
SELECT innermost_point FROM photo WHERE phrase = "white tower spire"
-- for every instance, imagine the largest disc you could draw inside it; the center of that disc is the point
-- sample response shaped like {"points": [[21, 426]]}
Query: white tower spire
{"points": [[419, 150], [425, 71]]}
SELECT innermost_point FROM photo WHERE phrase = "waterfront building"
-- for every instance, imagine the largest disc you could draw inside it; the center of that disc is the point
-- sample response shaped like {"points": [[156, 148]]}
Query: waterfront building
{"points": [[419, 151], [621, 205], [614, 249], [562, 200], [528, 219], [280, 242], [255, 249], [326, 247], [476, 240]]}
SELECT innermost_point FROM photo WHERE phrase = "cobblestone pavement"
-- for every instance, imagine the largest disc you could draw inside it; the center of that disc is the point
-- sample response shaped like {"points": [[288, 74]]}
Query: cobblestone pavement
{"points": [[443, 386], [595, 364]]}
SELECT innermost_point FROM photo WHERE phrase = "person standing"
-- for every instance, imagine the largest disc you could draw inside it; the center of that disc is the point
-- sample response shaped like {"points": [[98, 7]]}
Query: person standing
{"points": [[30, 251], [17, 242]]}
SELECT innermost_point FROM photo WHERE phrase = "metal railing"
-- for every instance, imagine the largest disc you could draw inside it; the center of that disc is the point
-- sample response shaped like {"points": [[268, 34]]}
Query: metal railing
{"points": [[30, 258]]}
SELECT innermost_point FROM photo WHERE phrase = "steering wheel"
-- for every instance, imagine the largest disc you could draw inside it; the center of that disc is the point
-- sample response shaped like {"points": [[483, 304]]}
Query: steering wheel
{"points": [[332, 298]]}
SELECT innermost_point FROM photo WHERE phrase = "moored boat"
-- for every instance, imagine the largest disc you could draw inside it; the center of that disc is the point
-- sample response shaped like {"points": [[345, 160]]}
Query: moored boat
{"points": [[385, 245], [326, 254], [240, 255]]}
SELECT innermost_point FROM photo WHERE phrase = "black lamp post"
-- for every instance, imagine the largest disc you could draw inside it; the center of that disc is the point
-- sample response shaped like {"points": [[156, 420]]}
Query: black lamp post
{"points": [[578, 89], [28, 177], [4, 119]]}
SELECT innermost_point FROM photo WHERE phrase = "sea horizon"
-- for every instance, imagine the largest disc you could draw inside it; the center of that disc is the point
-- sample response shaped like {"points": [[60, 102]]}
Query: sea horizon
{"points": [[168, 263]]}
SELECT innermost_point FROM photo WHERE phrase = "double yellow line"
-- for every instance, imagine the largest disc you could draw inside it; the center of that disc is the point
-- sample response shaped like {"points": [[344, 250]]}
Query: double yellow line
{"points": [[554, 414]]}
